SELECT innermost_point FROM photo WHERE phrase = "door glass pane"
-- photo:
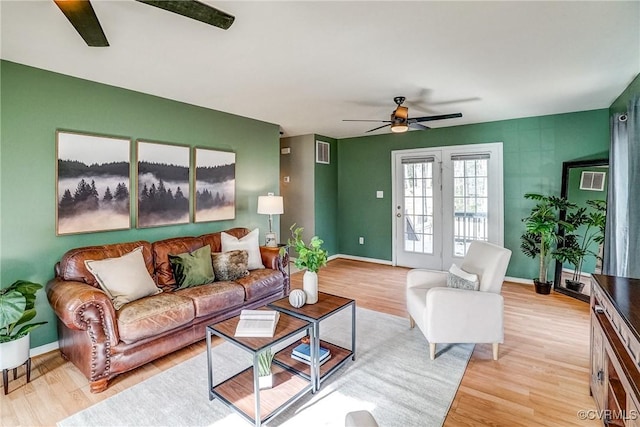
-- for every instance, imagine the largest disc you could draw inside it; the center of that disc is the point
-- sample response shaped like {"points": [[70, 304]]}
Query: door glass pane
{"points": [[470, 203], [418, 205]]}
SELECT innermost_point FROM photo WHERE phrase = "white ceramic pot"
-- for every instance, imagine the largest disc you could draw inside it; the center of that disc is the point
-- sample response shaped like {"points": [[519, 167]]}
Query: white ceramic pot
{"points": [[310, 286], [14, 353], [265, 381]]}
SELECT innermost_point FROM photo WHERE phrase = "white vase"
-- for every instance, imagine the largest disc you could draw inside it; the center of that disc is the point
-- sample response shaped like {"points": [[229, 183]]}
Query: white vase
{"points": [[310, 286], [265, 381], [14, 353]]}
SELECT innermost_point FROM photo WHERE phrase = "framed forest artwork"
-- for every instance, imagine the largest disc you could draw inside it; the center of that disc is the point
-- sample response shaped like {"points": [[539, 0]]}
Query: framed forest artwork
{"points": [[92, 183], [215, 185], [163, 184]]}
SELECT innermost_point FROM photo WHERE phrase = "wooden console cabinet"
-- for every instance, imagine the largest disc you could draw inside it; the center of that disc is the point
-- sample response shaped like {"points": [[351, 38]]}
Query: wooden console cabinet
{"points": [[615, 349]]}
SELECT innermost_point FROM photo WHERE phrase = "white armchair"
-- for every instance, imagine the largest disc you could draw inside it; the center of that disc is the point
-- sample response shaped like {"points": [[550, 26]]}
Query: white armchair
{"points": [[451, 315]]}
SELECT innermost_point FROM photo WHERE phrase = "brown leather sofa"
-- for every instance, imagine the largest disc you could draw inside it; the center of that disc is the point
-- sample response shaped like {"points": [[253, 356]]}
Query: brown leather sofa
{"points": [[103, 342]]}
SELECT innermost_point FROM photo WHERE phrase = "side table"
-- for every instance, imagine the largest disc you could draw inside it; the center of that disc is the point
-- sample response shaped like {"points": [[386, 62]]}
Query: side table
{"points": [[288, 385], [327, 305]]}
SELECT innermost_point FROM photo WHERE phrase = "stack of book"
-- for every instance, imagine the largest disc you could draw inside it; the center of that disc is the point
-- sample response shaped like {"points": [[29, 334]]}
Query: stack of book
{"points": [[257, 323], [302, 353]]}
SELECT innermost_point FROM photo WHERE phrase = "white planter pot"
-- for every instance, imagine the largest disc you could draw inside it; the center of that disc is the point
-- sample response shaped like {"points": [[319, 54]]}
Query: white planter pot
{"points": [[14, 353], [265, 381], [310, 286]]}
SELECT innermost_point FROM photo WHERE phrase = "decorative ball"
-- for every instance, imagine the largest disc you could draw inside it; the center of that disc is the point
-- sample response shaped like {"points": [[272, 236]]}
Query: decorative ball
{"points": [[297, 298]]}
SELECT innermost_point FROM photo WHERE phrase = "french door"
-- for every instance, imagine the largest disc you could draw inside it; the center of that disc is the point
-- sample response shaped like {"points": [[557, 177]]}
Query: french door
{"points": [[443, 199]]}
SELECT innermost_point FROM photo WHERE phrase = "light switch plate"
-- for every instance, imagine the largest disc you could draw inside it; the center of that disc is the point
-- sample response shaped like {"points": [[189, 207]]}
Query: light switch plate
{"points": [[286, 179], [285, 150], [380, 194]]}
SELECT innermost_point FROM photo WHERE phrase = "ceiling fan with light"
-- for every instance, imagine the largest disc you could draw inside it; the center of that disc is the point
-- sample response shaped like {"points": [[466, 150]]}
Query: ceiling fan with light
{"points": [[83, 18], [401, 122]]}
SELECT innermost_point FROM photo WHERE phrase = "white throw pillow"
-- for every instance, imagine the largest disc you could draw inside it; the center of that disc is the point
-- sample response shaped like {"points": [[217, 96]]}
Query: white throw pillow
{"points": [[125, 278], [458, 278], [249, 243]]}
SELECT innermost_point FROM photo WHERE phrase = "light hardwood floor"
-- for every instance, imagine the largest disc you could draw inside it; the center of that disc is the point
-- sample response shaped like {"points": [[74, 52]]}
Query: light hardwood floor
{"points": [[540, 379]]}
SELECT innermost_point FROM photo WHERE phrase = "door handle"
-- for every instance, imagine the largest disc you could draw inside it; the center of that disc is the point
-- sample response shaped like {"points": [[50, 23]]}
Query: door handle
{"points": [[399, 215]]}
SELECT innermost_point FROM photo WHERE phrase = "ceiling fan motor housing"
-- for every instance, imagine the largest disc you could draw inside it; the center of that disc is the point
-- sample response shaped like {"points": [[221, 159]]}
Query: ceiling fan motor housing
{"points": [[400, 115]]}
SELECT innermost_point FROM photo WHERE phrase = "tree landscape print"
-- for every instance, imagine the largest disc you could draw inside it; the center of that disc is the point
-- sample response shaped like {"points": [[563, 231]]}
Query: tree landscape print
{"points": [[163, 184], [92, 183], [215, 190]]}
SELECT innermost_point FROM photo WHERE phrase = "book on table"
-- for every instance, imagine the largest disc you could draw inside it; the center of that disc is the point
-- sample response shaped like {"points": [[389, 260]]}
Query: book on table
{"points": [[302, 353], [257, 323]]}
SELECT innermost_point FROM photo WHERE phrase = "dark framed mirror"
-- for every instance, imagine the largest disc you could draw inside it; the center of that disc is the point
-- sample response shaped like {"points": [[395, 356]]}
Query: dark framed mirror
{"points": [[584, 183]]}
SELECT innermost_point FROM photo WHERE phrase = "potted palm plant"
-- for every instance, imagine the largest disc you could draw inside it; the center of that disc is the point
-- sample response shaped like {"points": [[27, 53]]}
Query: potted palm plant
{"points": [[17, 308], [577, 246], [542, 233], [310, 257]]}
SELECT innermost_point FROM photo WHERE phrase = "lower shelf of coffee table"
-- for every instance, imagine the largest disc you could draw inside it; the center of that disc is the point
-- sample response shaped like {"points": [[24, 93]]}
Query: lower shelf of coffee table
{"points": [[338, 356], [238, 391]]}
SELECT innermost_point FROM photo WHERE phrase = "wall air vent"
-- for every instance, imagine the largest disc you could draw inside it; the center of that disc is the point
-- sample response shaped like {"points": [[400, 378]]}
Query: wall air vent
{"points": [[323, 150], [592, 181]]}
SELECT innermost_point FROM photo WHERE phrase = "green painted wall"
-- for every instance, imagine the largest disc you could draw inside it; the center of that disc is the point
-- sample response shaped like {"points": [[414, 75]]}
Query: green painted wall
{"points": [[620, 104], [534, 149], [326, 202], [35, 103]]}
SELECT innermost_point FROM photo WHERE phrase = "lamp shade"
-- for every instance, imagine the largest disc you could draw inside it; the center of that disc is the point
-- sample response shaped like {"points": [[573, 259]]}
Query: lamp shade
{"points": [[272, 205]]}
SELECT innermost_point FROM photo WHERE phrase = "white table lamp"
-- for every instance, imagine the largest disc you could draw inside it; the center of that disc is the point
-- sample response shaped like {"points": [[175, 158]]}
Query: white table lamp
{"points": [[270, 205]]}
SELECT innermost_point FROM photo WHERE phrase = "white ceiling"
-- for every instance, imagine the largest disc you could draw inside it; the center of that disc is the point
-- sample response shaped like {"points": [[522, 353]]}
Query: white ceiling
{"points": [[307, 65]]}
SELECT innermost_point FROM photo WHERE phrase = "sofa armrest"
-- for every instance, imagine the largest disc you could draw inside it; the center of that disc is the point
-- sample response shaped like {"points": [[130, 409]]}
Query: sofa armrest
{"points": [[272, 259], [85, 308]]}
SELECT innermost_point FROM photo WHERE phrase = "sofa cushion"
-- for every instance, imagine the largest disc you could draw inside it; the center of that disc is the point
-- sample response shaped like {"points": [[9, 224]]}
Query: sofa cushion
{"points": [[260, 283], [215, 297], [249, 243], [123, 278], [230, 265], [151, 316], [162, 249], [192, 268]]}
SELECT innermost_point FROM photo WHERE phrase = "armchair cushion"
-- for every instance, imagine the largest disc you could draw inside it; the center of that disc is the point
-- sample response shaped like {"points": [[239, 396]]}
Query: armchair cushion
{"points": [[458, 278]]}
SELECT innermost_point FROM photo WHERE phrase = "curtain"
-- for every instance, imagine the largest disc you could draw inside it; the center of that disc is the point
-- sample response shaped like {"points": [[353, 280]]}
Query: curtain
{"points": [[622, 234]]}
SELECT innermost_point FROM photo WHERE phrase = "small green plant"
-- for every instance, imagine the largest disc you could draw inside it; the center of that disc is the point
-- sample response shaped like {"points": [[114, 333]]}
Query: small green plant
{"points": [[576, 247], [311, 257], [17, 307], [541, 232], [264, 362]]}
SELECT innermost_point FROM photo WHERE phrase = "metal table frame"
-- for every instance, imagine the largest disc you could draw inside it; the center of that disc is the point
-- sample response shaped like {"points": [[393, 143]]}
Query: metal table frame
{"points": [[315, 338], [210, 330]]}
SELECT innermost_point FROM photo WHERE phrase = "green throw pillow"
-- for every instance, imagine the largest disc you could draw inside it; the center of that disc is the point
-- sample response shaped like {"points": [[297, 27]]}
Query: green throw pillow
{"points": [[193, 269]]}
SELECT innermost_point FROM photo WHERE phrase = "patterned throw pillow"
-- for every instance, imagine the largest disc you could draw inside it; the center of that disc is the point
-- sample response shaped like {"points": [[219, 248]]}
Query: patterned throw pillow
{"points": [[230, 265], [192, 268], [458, 278]]}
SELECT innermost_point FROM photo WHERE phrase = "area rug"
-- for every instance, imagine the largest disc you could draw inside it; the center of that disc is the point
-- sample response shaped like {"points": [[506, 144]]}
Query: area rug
{"points": [[392, 377]]}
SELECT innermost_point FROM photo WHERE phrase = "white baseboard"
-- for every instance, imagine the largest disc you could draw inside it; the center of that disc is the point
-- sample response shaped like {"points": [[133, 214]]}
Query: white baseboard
{"points": [[37, 351], [518, 280], [359, 258]]}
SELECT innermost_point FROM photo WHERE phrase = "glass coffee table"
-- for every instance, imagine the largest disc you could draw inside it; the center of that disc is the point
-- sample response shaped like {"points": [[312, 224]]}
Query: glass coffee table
{"points": [[327, 306], [241, 392]]}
